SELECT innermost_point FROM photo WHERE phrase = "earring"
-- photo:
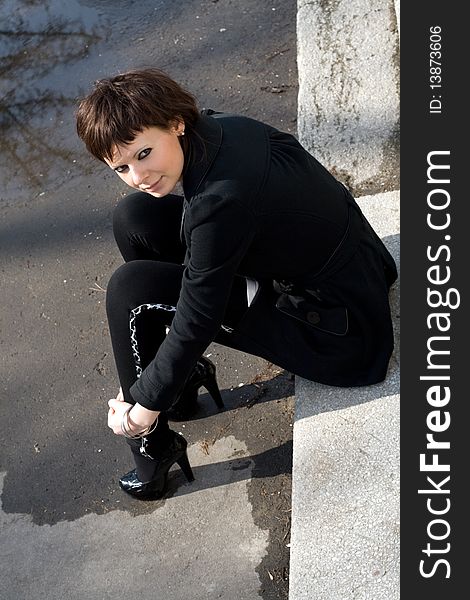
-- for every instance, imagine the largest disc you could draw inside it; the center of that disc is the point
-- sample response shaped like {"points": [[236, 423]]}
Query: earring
{"points": [[182, 133]]}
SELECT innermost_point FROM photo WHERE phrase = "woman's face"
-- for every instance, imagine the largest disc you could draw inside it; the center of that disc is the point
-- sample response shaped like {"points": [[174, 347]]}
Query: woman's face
{"points": [[152, 162]]}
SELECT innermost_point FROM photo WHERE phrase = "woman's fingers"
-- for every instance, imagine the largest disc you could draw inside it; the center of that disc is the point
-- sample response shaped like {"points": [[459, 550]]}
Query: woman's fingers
{"points": [[111, 423], [115, 414], [115, 404], [114, 421]]}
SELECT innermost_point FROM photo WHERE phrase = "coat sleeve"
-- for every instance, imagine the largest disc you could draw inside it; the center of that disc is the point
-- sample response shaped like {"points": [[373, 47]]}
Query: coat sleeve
{"points": [[221, 231]]}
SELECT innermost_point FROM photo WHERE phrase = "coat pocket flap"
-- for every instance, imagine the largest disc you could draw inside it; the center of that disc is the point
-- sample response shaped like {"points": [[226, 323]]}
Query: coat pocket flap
{"points": [[330, 319]]}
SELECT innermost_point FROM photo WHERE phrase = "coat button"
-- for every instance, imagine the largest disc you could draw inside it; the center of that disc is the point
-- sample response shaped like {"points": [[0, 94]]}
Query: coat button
{"points": [[313, 317]]}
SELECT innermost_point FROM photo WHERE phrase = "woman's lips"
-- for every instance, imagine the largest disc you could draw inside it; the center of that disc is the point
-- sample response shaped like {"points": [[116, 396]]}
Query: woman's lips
{"points": [[153, 188]]}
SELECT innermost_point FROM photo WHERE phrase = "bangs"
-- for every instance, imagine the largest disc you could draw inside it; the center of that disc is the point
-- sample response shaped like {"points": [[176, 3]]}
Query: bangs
{"points": [[120, 108]]}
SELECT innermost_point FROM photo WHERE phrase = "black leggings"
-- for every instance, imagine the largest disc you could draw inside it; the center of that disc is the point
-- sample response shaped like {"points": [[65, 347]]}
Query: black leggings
{"points": [[142, 293]]}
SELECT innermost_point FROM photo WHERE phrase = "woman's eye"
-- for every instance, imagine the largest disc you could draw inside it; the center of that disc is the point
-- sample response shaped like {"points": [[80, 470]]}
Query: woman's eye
{"points": [[144, 153]]}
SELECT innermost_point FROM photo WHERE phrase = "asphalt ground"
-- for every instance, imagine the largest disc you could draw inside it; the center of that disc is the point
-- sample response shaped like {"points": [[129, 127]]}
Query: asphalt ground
{"points": [[59, 461]]}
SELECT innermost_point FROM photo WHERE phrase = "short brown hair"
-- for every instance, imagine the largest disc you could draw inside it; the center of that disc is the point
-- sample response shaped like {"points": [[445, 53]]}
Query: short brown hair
{"points": [[122, 106]]}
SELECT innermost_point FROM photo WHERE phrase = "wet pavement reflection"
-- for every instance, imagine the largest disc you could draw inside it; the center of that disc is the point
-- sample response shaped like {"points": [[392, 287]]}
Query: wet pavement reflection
{"points": [[57, 250], [41, 44], [52, 50]]}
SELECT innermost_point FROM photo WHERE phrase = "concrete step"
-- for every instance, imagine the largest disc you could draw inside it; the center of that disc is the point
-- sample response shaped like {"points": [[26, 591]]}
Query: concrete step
{"points": [[345, 477], [348, 104], [345, 497]]}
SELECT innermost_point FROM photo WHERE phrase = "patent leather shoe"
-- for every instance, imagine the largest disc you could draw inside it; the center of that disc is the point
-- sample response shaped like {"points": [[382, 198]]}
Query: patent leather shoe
{"points": [[175, 452], [186, 405]]}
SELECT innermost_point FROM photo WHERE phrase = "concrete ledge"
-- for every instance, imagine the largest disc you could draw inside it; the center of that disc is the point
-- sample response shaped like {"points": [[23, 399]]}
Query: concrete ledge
{"points": [[397, 13], [348, 102], [345, 488]]}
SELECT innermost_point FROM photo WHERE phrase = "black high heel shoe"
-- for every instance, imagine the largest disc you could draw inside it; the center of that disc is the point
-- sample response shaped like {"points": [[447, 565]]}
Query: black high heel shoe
{"points": [[186, 405], [174, 452]]}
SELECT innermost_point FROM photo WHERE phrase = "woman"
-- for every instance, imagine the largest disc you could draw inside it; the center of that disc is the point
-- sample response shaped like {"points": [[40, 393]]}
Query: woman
{"points": [[266, 253]]}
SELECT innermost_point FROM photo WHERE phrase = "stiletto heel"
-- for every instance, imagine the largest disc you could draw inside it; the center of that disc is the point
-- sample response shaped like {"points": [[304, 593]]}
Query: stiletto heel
{"points": [[213, 389], [186, 405], [173, 452], [184, 465]]}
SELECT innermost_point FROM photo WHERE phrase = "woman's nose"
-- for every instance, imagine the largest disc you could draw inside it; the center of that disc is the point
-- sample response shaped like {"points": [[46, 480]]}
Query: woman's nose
{"points": [[138, 175]]}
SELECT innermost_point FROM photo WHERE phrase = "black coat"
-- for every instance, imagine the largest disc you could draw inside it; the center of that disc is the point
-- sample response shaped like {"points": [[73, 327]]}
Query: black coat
{"points": [[258, 204]]}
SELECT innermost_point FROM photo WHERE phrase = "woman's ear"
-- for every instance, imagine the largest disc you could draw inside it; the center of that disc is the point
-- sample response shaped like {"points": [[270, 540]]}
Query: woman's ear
{"points": [[178, 127]]}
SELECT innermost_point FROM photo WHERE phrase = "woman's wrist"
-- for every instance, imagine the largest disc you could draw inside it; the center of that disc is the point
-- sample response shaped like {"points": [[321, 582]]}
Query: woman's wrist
{"points": [[141, 418], [133, 427]]}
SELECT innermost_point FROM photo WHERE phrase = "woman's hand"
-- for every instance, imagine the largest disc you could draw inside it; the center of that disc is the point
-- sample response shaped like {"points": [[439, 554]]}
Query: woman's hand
{"points": [[117, 407], [138, 420]]}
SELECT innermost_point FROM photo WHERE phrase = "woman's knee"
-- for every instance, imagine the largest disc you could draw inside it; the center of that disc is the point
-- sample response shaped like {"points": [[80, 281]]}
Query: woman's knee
{"points": [[123, 284], [134, 211], [141, 282], [149, 228], [129, 212]]}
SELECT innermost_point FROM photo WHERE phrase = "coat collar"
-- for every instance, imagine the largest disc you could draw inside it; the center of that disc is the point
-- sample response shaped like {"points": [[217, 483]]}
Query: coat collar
{"points": [[205, 144]]}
